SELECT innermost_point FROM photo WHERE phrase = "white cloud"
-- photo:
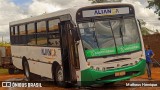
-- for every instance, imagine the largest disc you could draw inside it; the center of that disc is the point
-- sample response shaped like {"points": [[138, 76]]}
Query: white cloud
{"points": [[77, 3], [38, 7], [8, 12], [65, 3], [146, 14], [41, 6]]}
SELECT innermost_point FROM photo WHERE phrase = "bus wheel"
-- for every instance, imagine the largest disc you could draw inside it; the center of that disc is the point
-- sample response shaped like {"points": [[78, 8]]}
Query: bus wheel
{"points": [[59, 76], [26, 70]]}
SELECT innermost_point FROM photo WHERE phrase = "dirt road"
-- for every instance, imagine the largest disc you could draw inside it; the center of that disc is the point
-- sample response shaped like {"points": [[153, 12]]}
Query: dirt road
{"points": [[116, 86]]}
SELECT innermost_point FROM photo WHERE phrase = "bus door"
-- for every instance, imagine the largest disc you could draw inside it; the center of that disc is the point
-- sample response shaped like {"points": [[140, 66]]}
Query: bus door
{"points": [[68, 51]]}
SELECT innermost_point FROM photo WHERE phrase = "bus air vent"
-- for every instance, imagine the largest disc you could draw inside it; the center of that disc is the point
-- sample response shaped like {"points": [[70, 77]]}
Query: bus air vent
{"points": [[109, 68], [124, 65], [120, 59]]}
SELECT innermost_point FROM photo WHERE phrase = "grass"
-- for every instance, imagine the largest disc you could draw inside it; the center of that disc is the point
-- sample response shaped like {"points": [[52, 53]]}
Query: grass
{"points": [[3, 71]]}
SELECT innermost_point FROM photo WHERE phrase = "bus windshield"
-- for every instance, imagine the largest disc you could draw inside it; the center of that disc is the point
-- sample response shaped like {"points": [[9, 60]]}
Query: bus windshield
{"points": [[110, 37]]}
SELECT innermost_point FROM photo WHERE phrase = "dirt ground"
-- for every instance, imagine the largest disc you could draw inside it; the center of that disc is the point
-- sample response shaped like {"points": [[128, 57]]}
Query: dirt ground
{"points": [[116, 86]]}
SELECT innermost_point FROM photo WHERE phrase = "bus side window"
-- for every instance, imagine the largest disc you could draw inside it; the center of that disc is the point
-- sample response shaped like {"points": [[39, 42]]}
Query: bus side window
{"points": [[41, 33], [31, 40], [54, 35], [12, 33], [22, 34], [16, 35]]}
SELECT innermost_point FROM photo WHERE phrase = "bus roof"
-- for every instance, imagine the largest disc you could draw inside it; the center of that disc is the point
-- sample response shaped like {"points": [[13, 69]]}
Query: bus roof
{"points": [[44, 16], [72, 11]]}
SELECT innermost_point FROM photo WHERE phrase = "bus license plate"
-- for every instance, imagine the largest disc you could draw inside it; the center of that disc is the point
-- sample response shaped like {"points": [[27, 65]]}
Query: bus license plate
{"points": [[120, 73]]}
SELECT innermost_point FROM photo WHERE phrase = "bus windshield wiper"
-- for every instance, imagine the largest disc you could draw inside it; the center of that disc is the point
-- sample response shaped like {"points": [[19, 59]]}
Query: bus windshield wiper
{"points": [[94, 34], [121, 34], [95, 37]]}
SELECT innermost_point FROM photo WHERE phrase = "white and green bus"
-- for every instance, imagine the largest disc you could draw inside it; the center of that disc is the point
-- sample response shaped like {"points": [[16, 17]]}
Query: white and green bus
{"points": [[94, 44]]}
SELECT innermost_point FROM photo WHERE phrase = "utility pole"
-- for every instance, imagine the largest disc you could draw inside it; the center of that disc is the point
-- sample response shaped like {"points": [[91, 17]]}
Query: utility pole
{"points": [[2, 39]]}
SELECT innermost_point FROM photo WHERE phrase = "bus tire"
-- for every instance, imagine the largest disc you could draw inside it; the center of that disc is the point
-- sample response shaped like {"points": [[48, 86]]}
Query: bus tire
{"points": [[26, 70], [59, 76], [11, 70]]}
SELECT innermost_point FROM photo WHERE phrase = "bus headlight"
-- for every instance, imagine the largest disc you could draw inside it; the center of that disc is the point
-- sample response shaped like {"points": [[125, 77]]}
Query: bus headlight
{"points": [[131, 64], [118, 65], [103, 69], [92, 67], [88, 63], [136, 61], [142, 56], [97, 68]]}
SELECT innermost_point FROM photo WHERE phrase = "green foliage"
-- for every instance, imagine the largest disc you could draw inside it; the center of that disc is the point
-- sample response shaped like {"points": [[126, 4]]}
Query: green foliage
{"points": [[3, 71], [154, 4], [143, 23], [4, 44], [145, 31]]}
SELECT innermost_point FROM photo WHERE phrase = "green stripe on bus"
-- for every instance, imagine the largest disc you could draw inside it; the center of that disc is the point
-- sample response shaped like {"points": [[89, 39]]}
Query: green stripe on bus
{"points": [[129, 48], [100, 52], [112, 50]]}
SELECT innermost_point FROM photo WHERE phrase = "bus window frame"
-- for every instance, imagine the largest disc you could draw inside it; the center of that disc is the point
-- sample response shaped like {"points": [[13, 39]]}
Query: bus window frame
{"points": [[41, 33], [51, 32], [23, 35], [16, 35], [35, 32], [12, 34]]}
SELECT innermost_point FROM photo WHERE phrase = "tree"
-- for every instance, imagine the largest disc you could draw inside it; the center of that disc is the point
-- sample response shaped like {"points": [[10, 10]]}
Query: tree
{"points": [[143, 23], [4, 44], [154, 4], [145, 31]]}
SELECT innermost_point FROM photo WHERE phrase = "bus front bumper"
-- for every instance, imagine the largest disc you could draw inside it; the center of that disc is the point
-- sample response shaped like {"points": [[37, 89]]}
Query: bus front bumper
{"points": [[91, 76]]}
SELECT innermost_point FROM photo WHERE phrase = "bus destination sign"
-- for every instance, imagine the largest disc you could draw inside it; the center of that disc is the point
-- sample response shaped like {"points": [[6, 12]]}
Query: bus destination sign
{"points": [[104, 12]]}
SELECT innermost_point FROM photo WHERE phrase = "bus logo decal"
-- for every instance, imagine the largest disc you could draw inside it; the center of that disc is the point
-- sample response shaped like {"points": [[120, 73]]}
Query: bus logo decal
{"points": [[48, 53], [102, 11], [106, 11]]}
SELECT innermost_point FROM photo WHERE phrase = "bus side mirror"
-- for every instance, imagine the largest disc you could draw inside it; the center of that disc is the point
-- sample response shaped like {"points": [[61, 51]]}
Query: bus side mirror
{"points": [[76, 34]]}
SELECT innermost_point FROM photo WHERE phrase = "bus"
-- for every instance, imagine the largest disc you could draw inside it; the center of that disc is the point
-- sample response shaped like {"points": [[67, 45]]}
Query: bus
{"points": [[87, 45]]}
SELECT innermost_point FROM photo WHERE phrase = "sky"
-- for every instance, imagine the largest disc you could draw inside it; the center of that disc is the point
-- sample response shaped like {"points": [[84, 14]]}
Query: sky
{"points": [[11, 10], [21, 2]]}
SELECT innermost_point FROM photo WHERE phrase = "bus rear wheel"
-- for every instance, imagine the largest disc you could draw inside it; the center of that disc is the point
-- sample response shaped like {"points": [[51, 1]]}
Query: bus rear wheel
{"points": [[59, 76], [26, 70]]}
